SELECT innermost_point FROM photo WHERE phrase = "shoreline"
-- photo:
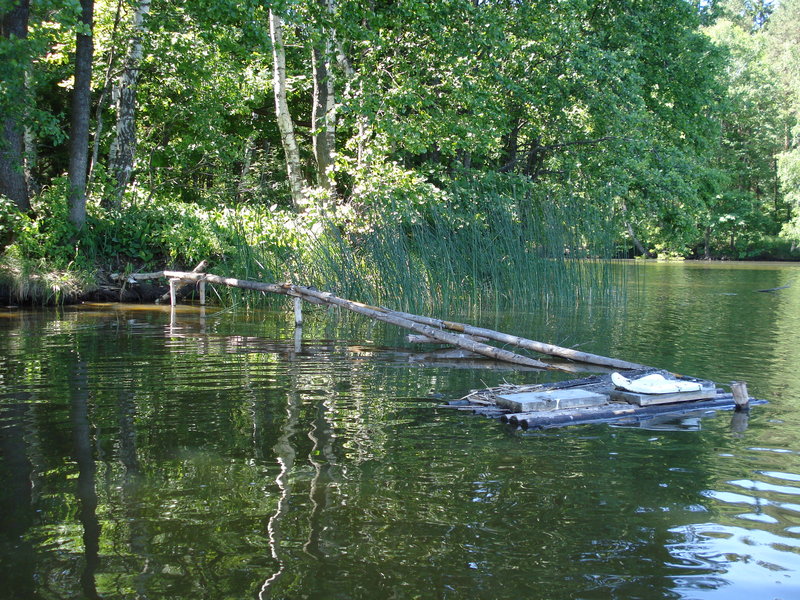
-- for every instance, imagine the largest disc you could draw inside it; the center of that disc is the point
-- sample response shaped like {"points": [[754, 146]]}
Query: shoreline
{"points": [[56, 288]]}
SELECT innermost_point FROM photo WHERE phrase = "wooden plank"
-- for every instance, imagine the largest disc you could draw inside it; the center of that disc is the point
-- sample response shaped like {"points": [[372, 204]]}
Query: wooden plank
{"points": [[550, 400], [651, 399]]}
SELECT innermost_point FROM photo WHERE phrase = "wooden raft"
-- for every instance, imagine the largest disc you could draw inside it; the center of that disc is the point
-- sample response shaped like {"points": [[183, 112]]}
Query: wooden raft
{"points": [[616, 405]]}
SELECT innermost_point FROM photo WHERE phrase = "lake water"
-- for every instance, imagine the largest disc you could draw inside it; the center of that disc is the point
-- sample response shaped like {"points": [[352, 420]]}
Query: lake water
{"points": [[208, 455]]}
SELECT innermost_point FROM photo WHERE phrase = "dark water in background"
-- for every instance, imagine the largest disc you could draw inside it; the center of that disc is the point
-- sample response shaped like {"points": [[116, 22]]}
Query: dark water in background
{"points": [[208, 458]]}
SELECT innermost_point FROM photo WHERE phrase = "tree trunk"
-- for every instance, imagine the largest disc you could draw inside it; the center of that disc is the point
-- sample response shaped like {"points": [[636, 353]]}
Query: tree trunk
{"points": [[403, 320], [639, 246], [79, 118], [330, 109], [12, 146], [513, 340], [102, 102], [323, 110], [123, 148], [510, 143], [361, 120], [642, 250], [319, 116], [284, 118]]}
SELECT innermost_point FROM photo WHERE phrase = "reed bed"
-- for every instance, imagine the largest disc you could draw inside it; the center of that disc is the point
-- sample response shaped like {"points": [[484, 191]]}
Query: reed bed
{"points": [[486, 248]]}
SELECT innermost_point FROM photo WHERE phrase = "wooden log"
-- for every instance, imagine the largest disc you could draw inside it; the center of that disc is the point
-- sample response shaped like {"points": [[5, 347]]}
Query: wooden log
{"points": [[431, 328], [614, 412], [424, 339], [437, 334], [134, 277], [298, 311], [740, 395], [273, 288], [175, 289], [527, 344]]}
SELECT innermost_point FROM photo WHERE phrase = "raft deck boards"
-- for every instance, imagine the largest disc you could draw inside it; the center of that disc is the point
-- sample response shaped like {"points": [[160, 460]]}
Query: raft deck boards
{"points": [[505, 402], [651, 399]]}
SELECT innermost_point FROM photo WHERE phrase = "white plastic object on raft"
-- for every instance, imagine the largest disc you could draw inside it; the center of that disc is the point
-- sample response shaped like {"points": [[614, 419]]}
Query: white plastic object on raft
{"points": [[654, 384]]}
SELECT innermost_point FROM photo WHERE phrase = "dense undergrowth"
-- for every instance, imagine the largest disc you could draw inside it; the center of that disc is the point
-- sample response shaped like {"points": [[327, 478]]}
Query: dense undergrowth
{"points": [[401, 242]]}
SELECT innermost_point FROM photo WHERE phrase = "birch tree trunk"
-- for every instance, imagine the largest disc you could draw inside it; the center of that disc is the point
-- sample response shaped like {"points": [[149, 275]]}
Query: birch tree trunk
{"points": [[284, 118], [102, 101], [79, 117], [363, 127], [330, 109], [319, 116], [123, 148], [12, 147]]}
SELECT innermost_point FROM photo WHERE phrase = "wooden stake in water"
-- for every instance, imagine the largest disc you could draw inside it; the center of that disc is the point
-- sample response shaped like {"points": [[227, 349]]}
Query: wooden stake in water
{"points": [[298, 312], [740, 395], [173, 283]]}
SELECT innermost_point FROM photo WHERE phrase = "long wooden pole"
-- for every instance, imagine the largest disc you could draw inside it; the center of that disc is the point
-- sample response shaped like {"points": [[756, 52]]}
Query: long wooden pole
{"points": [[520, 342], [436, 334], [448, 332]]}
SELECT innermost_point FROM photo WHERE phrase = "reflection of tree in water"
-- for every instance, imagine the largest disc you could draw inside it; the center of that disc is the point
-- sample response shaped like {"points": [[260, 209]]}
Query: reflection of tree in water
{"points": [[130, 489], [86, 492], [285, 453], [323, 458], [16, 497]]}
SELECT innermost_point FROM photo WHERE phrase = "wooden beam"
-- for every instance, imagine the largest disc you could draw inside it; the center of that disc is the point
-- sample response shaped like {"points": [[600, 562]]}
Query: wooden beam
{"points": [[527, 344], [436, 334], [175, 290], [446, 332]]}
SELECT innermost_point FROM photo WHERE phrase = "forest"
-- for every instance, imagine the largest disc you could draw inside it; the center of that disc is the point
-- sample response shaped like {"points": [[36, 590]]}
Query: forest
{"points": [[421, 151]]}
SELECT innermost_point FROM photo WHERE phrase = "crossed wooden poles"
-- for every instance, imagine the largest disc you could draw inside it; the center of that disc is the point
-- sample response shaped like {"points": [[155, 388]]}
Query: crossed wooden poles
{"points": [[461, 335]]}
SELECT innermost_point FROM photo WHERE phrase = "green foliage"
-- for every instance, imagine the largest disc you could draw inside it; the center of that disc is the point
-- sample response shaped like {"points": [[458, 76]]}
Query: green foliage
{"points": [[11, 221], [49, 234]]}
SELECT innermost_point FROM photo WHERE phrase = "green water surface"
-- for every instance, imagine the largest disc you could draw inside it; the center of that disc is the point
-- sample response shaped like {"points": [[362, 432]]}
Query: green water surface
{"points": [[209, 454]]}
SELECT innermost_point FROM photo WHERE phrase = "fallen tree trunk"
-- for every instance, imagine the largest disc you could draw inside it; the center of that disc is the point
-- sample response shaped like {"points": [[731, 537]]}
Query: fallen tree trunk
{"points": [[245, 284], [422, 339]]}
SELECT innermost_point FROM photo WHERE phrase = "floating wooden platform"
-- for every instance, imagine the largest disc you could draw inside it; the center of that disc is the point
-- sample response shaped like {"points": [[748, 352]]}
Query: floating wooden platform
{"points": [[591, 400]]}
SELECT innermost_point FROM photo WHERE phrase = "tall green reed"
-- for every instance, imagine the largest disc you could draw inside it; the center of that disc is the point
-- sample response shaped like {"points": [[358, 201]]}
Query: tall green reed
{"points": [[482, 246]]}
